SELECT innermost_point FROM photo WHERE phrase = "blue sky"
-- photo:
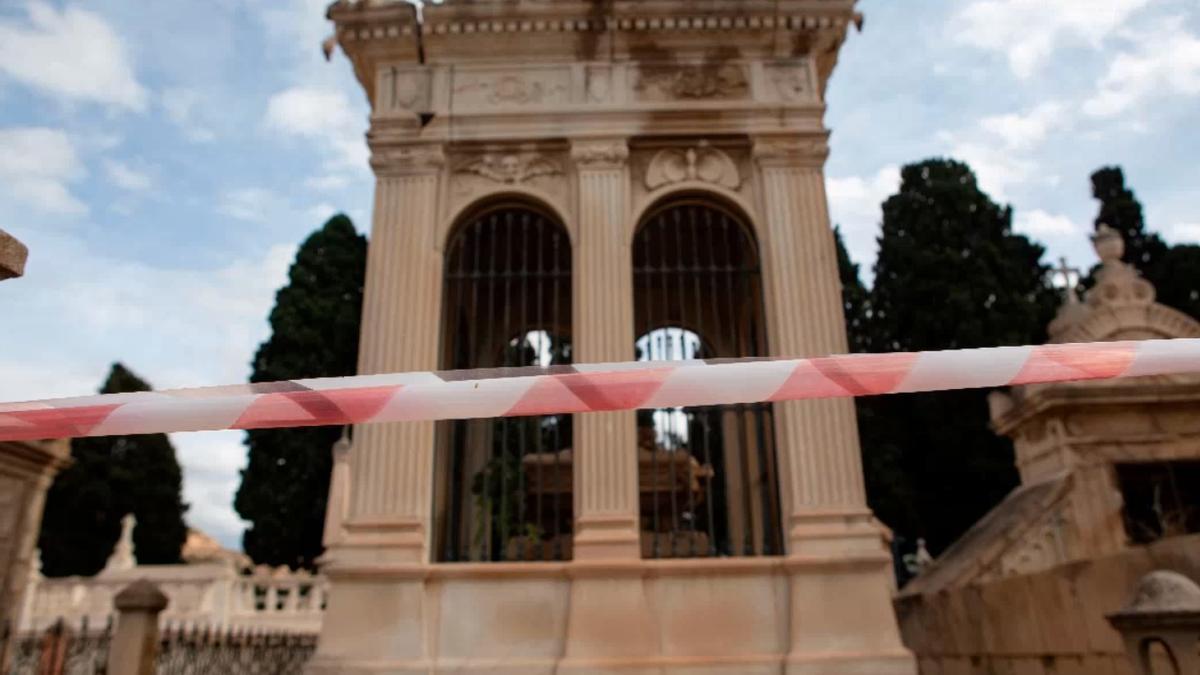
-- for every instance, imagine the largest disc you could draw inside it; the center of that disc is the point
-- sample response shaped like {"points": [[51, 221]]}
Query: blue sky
{"points": [[163, 159]]}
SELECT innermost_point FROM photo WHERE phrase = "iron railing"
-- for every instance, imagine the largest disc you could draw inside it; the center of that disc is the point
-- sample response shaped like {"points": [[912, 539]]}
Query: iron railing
{"points": [[504, 485], [708, 476]]}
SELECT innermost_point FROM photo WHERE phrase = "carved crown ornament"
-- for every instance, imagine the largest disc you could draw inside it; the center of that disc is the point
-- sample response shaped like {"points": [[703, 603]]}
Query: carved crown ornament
{"points": [[701, 163]]}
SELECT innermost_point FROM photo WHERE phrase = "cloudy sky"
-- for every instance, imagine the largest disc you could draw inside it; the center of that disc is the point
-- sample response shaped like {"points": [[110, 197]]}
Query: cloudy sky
{"points": [[163, 159]]}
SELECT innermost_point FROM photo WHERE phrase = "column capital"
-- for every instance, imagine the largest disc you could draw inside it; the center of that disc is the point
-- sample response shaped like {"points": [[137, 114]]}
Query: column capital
{"points": [[600, 153], [791, 151], [403, 160]]}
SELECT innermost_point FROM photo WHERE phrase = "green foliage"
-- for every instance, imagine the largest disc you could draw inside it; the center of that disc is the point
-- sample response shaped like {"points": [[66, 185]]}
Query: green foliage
{"points": [[950, 275], [314, 333], [854, 296], [1174, 270], [110, 477]]}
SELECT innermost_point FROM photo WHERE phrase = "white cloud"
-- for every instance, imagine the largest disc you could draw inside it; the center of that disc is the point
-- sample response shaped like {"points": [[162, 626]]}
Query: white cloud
{"points": [[72, 53], [36, 166], [250, 204], [1186, 232], [328, 182], [175, 327], [1040, 224], [180, 104], [322, 212], [1163, 60], [126, 177], [1028, 31], [854, 205], [322, 115], [1025, 130], [996, 168]]}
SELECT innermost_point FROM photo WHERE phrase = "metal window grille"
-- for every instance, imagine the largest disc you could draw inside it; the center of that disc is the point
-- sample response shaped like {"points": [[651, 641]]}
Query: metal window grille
{"points": [[504, 485], [707, 475]]}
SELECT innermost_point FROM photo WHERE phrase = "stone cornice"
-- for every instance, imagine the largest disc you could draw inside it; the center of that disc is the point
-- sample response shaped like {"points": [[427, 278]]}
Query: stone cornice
{"points": [[372, 32], [1038, 400]]}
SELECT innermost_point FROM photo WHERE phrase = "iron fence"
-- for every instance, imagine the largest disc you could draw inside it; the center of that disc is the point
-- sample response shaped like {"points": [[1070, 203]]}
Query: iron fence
{"points": [[81, 649]]}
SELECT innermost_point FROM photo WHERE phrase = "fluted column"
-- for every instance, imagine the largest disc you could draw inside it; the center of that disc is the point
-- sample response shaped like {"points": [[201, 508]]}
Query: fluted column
{"points": [[839, 568], [391, 464], [821, 465], [606, 499]]}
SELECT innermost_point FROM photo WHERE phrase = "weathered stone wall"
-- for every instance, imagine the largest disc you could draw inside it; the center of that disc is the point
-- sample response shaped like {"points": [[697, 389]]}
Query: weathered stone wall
{"points": [[1037, 624]]}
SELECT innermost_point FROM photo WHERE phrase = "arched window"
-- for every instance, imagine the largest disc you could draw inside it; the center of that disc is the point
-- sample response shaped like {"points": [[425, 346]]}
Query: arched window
{"points": [[504, 485], [707, 475]]}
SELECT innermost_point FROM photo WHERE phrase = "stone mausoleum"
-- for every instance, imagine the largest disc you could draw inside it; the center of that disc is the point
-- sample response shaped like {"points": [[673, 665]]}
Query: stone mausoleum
{"points": [[590, 181]]}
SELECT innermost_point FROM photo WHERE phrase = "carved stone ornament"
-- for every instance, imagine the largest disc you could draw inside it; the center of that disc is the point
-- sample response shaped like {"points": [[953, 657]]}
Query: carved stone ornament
{"points": [[607, 154], [700, 163], [670, 82], [511, 168], [512, 89], [790, 81]]}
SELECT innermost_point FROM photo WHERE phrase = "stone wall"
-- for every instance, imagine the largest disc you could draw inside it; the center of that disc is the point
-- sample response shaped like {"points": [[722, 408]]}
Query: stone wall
{"points": [[1037, 624]]}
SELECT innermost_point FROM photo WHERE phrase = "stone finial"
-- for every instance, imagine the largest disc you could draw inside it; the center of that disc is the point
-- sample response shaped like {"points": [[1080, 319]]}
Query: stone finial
{"points": [[123, 557], [1163, 591], [341, 448], [141, 595], [1109, 244], [12, 256]]}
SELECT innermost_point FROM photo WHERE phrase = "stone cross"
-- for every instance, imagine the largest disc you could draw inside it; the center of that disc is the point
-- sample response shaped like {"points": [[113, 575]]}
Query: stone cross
{"points": [[1070, 277]]}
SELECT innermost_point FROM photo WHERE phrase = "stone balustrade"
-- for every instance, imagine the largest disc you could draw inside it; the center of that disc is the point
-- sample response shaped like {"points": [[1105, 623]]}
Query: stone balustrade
{"points": [[216, 594]]}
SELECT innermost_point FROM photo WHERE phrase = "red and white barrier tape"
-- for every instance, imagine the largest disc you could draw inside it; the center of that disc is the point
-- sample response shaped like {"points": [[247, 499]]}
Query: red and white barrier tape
{"points": [[583, 388]]}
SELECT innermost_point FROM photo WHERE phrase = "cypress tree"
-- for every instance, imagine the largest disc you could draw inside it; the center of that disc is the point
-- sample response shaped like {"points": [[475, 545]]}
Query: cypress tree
{"points": [[889, 491], [110, 477], [854, 296], [950, 274], [314, 333]]}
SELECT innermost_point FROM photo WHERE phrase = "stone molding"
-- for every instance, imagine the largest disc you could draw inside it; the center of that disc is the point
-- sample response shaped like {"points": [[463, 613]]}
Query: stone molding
{"points": [[782, 152], [600, 154], [407, 159]]}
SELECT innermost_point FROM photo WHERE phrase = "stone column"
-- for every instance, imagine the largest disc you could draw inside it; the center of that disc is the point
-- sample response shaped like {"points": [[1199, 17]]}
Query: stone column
{"points": [[376, 600], [606, 472], [606, 498], [842, 618], [391, 470]]}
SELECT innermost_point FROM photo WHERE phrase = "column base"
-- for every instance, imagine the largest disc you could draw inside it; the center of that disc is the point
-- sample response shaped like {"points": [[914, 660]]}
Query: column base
{"points": [[841, 585], [606, 538]]}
